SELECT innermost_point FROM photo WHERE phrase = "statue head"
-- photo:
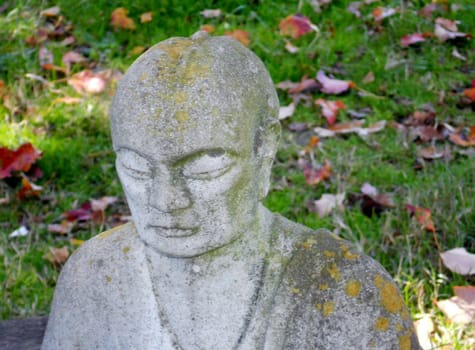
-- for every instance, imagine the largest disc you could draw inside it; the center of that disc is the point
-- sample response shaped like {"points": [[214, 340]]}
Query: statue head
{"points": [[195, 130]]}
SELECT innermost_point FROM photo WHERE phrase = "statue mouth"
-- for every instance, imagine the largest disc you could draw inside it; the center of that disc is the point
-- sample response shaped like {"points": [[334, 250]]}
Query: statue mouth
{"points": [[172, 232]]}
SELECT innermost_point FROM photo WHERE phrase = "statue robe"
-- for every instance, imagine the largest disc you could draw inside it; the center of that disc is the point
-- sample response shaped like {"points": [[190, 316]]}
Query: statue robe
{"points": [[316, 293]]}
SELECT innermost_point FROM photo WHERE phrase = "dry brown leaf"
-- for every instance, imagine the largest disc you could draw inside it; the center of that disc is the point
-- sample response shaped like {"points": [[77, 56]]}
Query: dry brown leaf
{"points": [[460, 261], [461, 307], [51, 12], [240, 35], [423, 216], [120, 20], [327, 203], [57, 256], [146, 17], [464, 137], [296, 25]]}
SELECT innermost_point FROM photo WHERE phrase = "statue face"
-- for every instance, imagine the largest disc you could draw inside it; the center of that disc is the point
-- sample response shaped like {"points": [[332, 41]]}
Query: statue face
{"points": [[188, 193]]}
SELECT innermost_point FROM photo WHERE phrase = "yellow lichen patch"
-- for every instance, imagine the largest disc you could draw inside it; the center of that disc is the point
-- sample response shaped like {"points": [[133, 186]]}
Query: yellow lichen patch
{"points": [[309, 243], [174, 49], [382, 324], [182, 116], [372, 344], [399, 327], [180, 96], [353, 288], [405, 342], [389, 294], [334, 272], [323, 286], [196, 70], [108, 279], [328, 308], [347, 254], [108, 232], [378, 281], [318, 307], [295, 290], [329, 254], [126, 249]]}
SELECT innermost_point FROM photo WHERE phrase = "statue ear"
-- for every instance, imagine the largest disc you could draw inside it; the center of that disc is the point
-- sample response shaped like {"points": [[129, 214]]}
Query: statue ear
{"points": [[266, 149]]}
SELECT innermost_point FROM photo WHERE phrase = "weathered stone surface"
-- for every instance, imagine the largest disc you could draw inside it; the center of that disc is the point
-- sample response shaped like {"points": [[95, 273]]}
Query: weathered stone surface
{"points": [[204, 265]]}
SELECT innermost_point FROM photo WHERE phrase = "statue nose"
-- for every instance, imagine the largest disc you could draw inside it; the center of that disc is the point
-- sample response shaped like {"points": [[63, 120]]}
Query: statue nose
{"points": [[167, 196]]}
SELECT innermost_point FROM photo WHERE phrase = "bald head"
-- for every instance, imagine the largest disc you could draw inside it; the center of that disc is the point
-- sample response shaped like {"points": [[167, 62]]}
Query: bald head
{"points": [[198, 88]]}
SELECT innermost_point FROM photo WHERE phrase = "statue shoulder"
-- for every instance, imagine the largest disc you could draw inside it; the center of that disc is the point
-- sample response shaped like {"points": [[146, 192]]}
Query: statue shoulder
{"points": [[340, 298]]}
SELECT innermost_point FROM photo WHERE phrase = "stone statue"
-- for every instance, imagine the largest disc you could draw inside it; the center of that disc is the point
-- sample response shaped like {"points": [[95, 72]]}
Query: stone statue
{"points": [[204, 265]]}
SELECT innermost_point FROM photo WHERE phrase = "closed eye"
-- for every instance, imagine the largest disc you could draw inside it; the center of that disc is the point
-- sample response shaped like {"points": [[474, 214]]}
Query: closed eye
{"points": [[133, 164], [208, 166]]}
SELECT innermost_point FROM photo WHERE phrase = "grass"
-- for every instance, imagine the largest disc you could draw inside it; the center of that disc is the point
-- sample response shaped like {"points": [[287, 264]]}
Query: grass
{"points": [[77, 160]]}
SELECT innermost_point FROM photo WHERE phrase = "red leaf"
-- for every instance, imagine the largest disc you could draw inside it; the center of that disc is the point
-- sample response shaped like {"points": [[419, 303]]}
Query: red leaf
{"points": [[305, 85], [19, 160], [411, 39], [120, 20], [470, 93], [330, 109], [333, 86], [296, 26], [423, 215], [313, 175]]}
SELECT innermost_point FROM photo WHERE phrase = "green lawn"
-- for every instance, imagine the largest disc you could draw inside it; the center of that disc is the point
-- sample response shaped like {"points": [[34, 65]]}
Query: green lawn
{"points": [[78, 164]]}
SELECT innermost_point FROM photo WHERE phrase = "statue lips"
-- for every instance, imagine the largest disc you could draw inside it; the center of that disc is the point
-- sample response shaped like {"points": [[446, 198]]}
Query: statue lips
{"points": [[171, 232]]}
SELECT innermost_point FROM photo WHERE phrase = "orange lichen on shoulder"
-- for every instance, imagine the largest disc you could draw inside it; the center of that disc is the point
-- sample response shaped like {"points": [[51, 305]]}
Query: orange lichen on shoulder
{"points": [[334, 272], [389, 294], [405, 342], [382, 324], [328, 308], [353, 288], [347, 254]]}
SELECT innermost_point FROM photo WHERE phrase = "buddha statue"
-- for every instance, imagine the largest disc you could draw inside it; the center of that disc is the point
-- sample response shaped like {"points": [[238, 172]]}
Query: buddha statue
{"points": [[204, 265]]}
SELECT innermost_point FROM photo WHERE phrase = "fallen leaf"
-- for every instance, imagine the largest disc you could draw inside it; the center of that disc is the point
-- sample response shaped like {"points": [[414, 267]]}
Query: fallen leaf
{"points": [[423, 216], [354, 8], [305, 85], [146, 17], [470, 93], [315, 175], [72, 57], [286, 111], [461, 307], [318, 4], [431, 152], [211, 13], [333, 86], [101, 204], [240, 35], [45, 57], [327, 203], [312, 143], [374, 202], [424, 329], [62, 228], [120, 20], [380, 13], [411, 39], [57, 256], [51, 12], [290, 47], [296, 25], [87, 82], [460, 261], [447, 30], [77, 242], [22, 231], [330, 109], [368, 78], [209, 28], [28, 188], [369, 189], [19, 160], [464, 137], [68, 100], [429, 9], [84, 213]]}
